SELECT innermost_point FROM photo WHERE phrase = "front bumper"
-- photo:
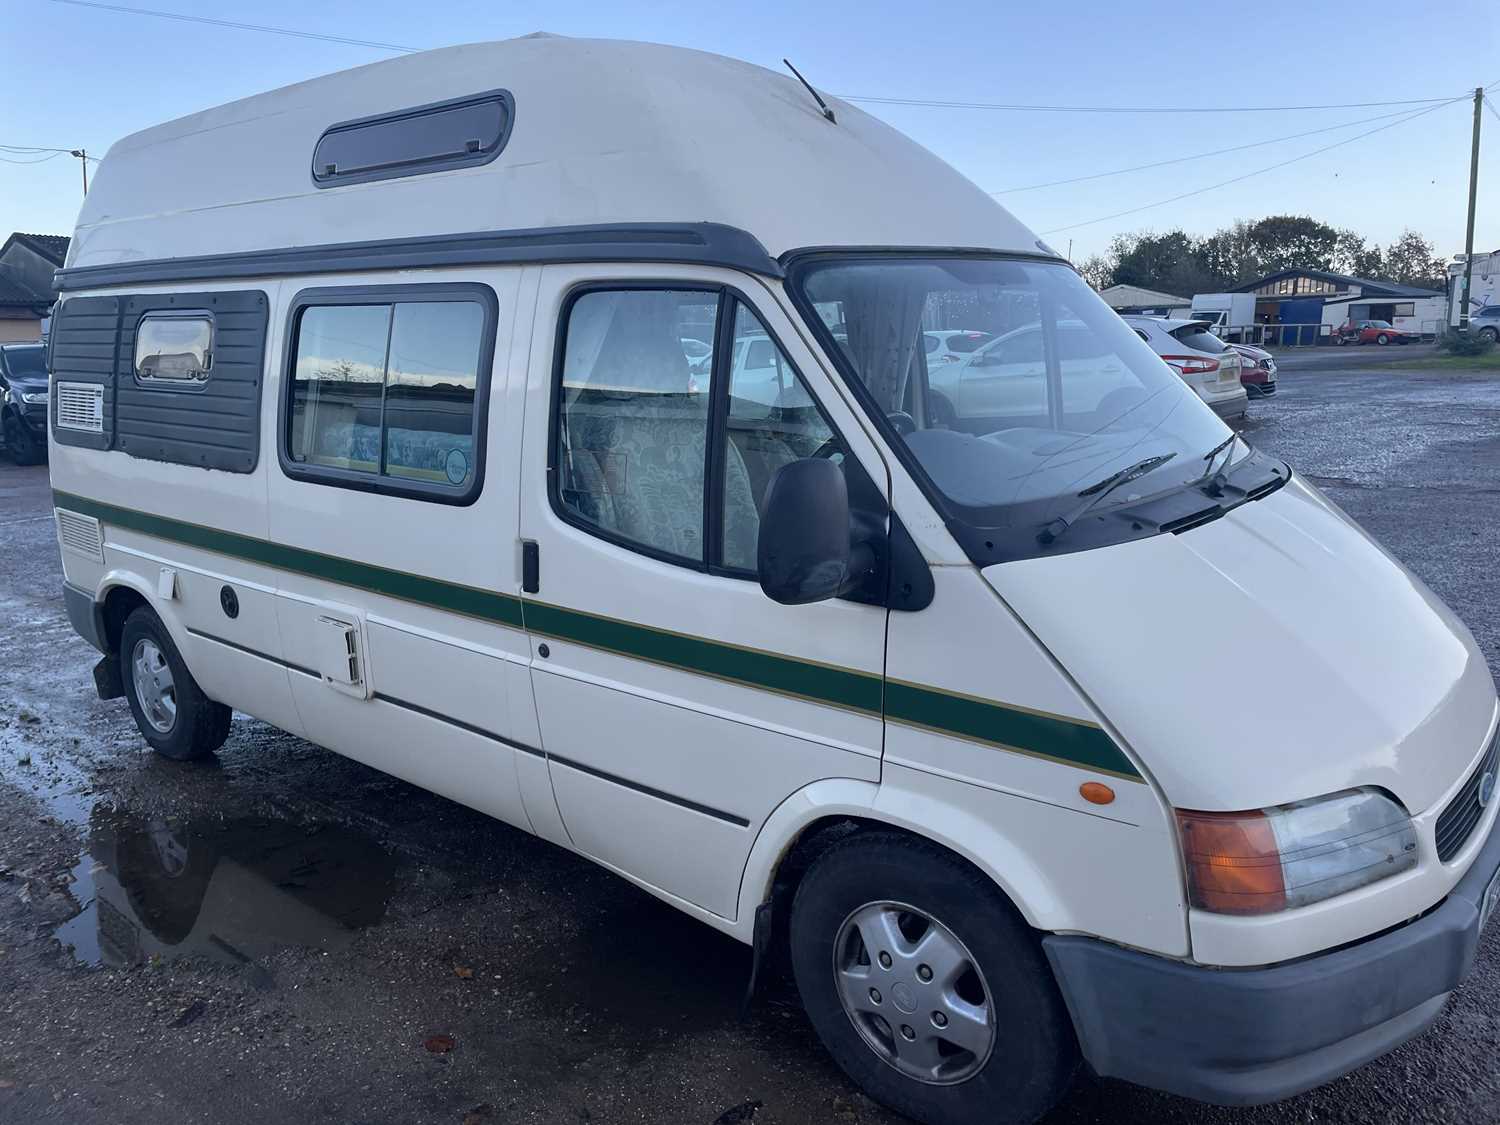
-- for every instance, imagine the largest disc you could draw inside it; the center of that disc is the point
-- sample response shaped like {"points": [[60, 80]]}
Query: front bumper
{"points": [[1249, 1036]]}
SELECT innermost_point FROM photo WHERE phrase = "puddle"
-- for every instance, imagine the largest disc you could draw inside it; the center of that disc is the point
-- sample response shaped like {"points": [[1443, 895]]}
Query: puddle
{"points": [[231, 890]]}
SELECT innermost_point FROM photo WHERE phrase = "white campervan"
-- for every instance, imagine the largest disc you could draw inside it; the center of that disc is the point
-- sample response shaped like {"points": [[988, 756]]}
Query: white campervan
{"points": [[375, 417]]}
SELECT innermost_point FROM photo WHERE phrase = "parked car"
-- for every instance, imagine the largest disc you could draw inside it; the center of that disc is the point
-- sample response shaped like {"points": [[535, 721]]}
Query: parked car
{"points": [[23, 402], [1486, 323], [1373, 332], [940, 709], [951, 345], [1205, 362], [1257, 370]]}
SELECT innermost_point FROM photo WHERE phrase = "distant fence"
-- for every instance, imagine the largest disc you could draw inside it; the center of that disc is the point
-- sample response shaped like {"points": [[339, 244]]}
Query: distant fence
{"points": [[1298, 335]]}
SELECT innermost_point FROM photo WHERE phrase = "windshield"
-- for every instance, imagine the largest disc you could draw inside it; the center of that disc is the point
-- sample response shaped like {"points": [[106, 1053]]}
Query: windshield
{"points": [[27, 363], [1060, 395]]}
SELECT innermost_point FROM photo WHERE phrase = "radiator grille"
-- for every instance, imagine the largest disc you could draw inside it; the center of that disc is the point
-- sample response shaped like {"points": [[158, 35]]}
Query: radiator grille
{"points": [[80, 406], [80, 534], [1457, 822]]}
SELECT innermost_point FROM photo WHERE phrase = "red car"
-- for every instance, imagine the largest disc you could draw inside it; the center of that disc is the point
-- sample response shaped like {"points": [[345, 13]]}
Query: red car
{"points": [[1373, 332]]}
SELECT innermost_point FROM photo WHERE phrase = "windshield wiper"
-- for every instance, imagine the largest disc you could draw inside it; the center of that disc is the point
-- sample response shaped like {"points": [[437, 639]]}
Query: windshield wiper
{"points": [[1214, 479], [1097, 492]]}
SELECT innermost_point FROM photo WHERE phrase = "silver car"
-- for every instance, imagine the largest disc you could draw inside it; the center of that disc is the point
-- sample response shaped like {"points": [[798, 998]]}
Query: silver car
{"points": [[1486, 323]]}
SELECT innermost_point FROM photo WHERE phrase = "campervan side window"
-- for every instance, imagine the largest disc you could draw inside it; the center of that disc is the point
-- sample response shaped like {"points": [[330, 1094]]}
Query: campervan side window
{"points": [[668, 428], [430, 138], [174, 347], [386, 391]]}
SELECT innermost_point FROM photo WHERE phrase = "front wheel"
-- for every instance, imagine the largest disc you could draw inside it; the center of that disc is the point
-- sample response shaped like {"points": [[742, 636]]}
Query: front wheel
{"points": [[1489, 334], [173, 714], [926, 986]]}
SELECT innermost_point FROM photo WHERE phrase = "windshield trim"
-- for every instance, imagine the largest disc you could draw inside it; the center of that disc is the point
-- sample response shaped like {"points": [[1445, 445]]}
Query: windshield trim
{"points": [[987, 545]]}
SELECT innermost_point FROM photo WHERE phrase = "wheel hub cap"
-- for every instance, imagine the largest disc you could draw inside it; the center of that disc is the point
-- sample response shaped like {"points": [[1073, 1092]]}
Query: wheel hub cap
{"points": [[914, 993], [154, 688]]}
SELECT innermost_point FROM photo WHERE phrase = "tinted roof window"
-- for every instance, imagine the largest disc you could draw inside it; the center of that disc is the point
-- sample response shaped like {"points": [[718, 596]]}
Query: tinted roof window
{"points": [[427, 139], [1198, 338]]}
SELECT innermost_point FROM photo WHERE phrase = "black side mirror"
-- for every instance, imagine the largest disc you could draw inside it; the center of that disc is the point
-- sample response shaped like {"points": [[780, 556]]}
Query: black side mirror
{"points": [[804, 552]]}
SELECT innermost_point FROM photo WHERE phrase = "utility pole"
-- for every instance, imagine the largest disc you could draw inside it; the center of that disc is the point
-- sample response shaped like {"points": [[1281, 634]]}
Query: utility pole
{"points": [[1463, 312], [83, 159]]}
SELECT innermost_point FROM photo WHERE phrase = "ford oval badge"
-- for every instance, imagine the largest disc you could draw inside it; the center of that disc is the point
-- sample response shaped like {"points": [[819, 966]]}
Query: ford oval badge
{"points": [[1486, 788]]}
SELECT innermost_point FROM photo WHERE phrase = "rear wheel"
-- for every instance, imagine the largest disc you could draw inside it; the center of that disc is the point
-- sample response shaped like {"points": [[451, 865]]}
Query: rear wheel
{"points": [[925, 985], [1382, 339], [173, 714]]}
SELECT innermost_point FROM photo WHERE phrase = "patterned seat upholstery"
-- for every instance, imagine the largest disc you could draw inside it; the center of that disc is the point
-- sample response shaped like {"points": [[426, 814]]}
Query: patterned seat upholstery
{"points": [[634, 443]]}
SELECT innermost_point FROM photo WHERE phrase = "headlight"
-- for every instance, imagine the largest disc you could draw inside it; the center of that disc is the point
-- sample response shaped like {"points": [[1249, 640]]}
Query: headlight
{"points": [[1267, 860], [34, 398]]}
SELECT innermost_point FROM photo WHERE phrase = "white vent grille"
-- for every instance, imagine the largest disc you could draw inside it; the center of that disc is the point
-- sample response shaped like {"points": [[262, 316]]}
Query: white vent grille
{"points": [[80, 534], [80, 406]]}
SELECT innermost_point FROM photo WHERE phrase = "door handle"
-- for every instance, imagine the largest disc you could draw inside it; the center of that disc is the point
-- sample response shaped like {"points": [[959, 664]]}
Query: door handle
{"points": [[531, 564]]}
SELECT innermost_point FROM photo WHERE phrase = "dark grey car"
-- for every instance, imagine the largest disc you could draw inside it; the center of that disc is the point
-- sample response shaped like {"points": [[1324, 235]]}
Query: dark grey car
{"points": [[23, 401]]}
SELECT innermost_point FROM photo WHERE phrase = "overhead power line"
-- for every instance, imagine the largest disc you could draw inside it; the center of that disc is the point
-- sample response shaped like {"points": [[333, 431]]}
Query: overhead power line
{"points": [[29, 150], [265, 28], [1202, 155], [268, 29], [41, 159], [1018, 107], [1259, 171], [1489, 104]]}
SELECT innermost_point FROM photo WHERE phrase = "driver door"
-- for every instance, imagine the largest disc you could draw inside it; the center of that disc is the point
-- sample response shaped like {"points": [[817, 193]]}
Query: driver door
{"points": [[678, 705]]}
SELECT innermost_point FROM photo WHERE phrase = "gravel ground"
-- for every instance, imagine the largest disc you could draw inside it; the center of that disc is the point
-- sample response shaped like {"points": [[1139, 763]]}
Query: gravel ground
{"points": [[285, 935]]}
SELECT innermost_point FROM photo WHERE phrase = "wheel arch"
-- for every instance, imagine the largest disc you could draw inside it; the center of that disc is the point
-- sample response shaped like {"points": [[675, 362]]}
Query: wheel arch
{"points": [[825, 812], [118, 594]]}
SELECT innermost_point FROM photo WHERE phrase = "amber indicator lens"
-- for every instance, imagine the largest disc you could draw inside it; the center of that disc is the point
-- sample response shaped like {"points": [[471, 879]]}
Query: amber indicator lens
{"points": [[1096, 792]]}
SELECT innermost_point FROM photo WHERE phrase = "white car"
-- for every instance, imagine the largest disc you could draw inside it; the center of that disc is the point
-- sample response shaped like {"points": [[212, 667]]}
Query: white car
{"points": [[952, 345], [1207, 364], [1006, 376]]}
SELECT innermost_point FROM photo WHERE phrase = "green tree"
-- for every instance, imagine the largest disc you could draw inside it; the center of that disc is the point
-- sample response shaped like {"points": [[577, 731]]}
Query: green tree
{"points": [[1230, 256], [1097, 270], [1411, 260], [1286, 242], [1352, 255]]}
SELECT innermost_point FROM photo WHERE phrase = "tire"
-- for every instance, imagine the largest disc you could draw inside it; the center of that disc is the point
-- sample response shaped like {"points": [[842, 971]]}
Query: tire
{"points": [[1489, 334], [173, 714], [1382, 339], [22, 443], [993, 965]]}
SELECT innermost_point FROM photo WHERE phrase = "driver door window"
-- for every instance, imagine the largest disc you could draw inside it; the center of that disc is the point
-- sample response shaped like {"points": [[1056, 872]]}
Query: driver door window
{"points": [[772, 420], [648, 453]]}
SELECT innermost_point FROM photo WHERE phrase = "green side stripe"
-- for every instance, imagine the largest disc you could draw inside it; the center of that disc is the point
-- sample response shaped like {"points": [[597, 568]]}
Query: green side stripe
{"points": [[485, 604], [1045, 736], [842, 687]]}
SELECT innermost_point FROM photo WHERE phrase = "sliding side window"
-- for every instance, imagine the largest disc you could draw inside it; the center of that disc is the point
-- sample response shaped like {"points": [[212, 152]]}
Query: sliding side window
{"points": [[387, 390]]}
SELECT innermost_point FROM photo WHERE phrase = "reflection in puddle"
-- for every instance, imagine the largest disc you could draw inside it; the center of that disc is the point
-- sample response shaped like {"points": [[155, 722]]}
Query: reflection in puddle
{"points": [[231, 890]]}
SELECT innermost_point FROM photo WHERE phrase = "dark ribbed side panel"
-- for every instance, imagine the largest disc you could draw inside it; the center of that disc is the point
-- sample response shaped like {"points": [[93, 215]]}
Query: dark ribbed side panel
{"points": [[216, 425], [82, 350]]}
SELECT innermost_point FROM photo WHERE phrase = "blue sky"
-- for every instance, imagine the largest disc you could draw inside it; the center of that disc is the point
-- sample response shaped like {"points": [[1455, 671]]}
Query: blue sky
{"points": [[84, 76]]}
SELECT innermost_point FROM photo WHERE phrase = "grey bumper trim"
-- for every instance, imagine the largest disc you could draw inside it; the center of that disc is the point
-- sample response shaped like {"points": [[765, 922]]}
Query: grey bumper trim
{"points": [[1249, 1036], [86, 616]]}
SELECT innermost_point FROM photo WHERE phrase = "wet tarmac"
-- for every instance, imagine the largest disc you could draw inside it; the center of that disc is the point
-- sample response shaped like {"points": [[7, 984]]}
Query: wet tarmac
{"points": [[283, 935]]}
